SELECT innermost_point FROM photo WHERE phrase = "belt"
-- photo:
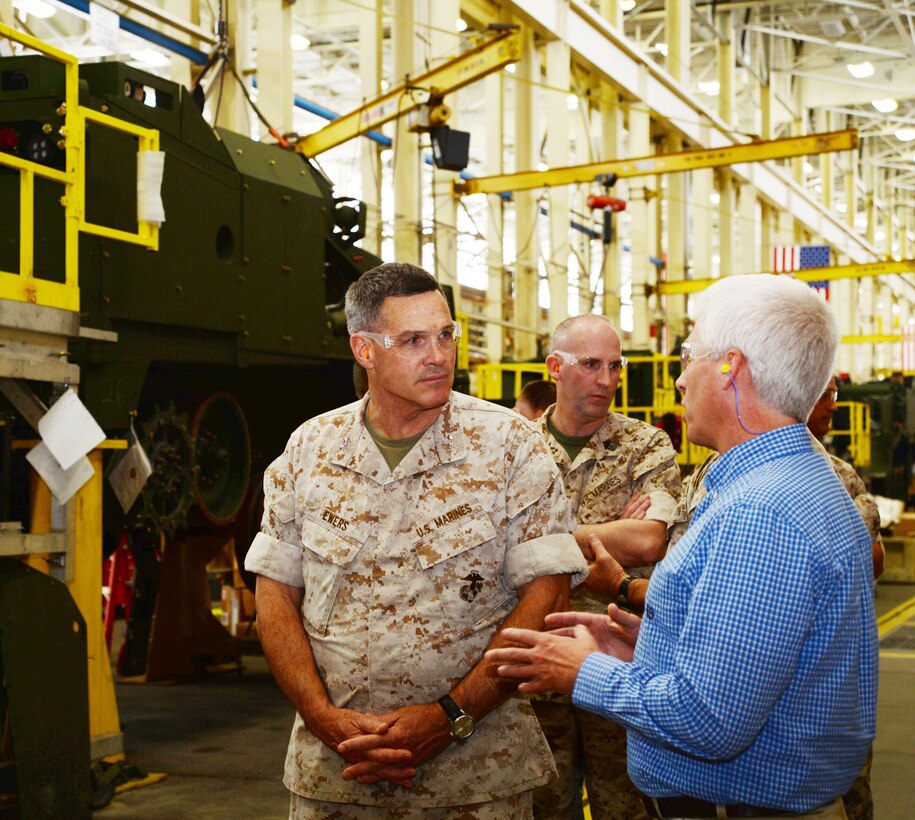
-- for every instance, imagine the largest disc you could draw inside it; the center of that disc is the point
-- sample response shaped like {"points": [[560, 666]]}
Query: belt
{"points": [[662, 807]]}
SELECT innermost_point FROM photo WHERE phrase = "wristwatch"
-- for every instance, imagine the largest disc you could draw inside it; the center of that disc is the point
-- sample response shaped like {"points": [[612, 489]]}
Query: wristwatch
{"points": [[462, 724], [621, 595]]}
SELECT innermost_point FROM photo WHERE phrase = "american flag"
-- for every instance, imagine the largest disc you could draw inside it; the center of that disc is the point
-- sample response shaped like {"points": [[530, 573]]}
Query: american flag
{"points": [[801, 257]]}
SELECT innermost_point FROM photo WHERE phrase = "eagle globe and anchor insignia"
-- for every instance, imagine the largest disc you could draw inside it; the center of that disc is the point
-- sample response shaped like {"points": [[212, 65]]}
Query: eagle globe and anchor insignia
{"points": [[473, 587]]}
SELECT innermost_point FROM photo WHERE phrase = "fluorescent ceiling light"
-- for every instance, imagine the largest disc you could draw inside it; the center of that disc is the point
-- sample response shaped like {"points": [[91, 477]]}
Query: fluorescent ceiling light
{"points": [[299, 43], [808, 168], [461, 25], [860, 71], [572, 102], [627, 5], [510, 68], [885, 106], [905, 134], [710, 87], [37, 8], [150, 57], [662, 47], [715, 198], [542, 166]]}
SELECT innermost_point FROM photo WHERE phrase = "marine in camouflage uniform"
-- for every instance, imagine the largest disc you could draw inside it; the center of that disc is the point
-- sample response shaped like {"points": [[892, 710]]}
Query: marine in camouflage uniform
{"points": [[405, 573], [622, 457]]}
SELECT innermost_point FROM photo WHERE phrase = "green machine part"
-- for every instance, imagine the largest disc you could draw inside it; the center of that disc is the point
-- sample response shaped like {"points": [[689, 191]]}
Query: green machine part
{"points": [[44, 695], [892, 427], [254, 248]]}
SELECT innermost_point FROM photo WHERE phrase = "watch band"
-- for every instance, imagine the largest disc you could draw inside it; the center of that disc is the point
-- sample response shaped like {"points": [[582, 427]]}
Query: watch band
{"points": [[622, 593], [462, 724], [452, 710]]}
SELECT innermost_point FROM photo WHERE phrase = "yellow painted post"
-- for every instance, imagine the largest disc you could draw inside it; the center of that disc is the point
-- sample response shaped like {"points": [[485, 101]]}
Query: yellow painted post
{"points": [[86, 589]]}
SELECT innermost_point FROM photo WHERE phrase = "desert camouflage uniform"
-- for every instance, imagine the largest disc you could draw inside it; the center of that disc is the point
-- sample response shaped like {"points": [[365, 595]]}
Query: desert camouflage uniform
{"points": [[407, 574], [624, 457], [858, 800]]}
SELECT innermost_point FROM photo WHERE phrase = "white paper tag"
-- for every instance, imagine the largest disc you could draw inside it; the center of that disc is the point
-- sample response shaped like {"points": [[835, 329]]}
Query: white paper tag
{"points": [[150, 168], [63, 483], [104, 27], [129, 475], [69, 430]]}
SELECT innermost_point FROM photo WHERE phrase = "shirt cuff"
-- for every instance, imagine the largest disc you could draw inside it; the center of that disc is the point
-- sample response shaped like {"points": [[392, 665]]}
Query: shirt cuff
{"points": [[595, 678], [663, 507], [556, 554], [275, 559]]}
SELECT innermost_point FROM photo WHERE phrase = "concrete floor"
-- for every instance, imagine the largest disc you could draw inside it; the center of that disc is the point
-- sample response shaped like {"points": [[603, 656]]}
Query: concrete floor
{"points": [[222, 740]]}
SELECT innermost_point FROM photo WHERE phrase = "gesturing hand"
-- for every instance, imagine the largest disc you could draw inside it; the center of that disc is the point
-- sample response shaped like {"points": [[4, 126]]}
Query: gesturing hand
{"points": [[543, 661], [614, 634]]}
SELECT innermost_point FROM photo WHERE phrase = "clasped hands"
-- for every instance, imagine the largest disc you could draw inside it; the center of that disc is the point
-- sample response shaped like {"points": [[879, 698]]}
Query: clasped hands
{"points": [[385, 747]]}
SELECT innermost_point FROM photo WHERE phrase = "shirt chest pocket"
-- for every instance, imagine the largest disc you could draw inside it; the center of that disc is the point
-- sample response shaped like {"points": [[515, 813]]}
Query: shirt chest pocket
{"points": [[464, 562], [330, 544]]}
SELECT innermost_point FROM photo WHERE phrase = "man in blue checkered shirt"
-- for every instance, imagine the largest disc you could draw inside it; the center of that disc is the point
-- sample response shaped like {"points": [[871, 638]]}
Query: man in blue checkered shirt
{"points": [[751, 689]]}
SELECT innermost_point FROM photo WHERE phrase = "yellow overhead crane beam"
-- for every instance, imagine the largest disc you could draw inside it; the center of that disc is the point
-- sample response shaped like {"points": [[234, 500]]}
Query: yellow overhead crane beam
{"points": [[856, 271], [663, 163], [462, 70]]}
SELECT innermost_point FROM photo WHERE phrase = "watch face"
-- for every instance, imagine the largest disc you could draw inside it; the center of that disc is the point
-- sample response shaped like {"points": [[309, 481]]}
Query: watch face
{"points": [[462, 727]]}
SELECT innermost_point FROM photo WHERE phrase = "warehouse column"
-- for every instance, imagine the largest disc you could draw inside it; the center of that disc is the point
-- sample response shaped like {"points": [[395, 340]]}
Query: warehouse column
{"points": [[850, 158], [180, 70], [406, 144], [701, 217], [611, 117], [444, 42], [227, 103], [798, 129], [495, 223], [678, 65], [843, 294], [727, 208], [748, 259], [274, 64], [527, 245], [644, 227], [827, 161], [558, 79], [370, 37]]}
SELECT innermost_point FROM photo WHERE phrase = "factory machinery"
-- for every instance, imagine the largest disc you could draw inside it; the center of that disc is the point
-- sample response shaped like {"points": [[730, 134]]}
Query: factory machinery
{"points": [[208, 340]]}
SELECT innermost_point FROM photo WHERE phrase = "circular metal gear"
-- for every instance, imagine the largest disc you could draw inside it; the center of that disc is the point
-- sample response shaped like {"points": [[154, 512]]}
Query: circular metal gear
{"points": [[169, 492]]}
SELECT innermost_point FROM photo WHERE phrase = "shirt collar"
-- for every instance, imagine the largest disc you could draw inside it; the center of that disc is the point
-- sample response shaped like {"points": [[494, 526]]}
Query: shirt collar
{"points": [[602, 439], [442, 443], [783, 441]]}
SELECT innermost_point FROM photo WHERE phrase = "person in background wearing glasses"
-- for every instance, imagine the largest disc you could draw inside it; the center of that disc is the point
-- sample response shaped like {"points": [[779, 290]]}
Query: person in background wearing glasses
{"points": [[750, 687], [400, 533], [607, 460]]}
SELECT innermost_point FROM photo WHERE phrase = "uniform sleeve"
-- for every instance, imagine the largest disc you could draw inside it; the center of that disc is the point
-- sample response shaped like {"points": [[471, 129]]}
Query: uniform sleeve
{"points": [[539, 538], [655, 473], [869, 512], [276, 551]]}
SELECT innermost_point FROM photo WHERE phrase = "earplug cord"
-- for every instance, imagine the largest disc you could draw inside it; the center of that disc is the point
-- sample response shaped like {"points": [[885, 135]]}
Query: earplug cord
{"points": [[726, 370]]}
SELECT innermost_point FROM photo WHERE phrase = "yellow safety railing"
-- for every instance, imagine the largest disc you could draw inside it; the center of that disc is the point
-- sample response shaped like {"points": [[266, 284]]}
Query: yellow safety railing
{"points": [[489, 377], [24, 286], [664, 394], [664, 400], [858, 432]]}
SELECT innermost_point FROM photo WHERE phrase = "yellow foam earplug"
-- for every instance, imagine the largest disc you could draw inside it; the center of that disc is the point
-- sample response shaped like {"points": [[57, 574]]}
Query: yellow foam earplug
{"points": [[725, 368]]}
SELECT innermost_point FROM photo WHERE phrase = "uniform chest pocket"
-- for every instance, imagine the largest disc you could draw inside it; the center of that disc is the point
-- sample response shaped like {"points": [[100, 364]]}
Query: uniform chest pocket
{"points": [[328, 549], [465, 561]]}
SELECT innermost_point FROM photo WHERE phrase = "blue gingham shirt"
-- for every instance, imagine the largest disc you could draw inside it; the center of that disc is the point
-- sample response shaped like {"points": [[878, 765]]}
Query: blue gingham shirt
{"points": [[755, 675]]}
